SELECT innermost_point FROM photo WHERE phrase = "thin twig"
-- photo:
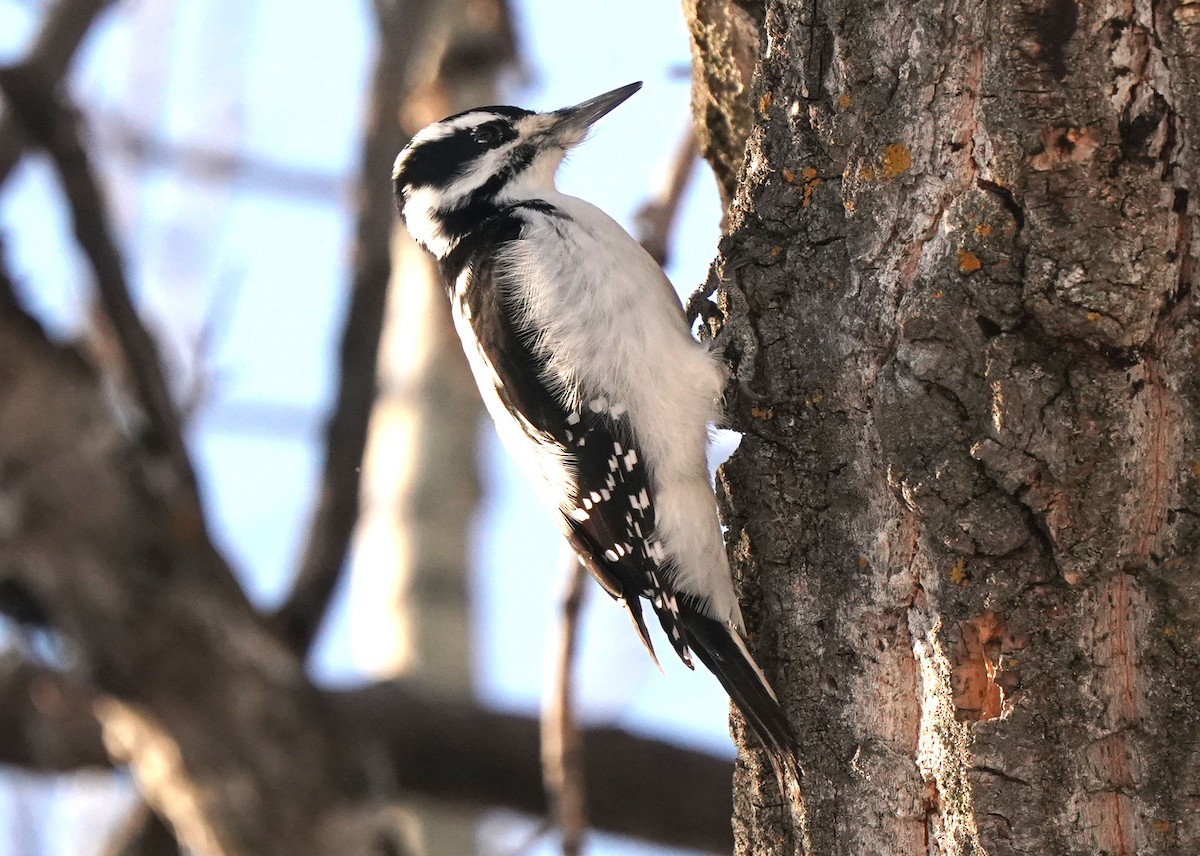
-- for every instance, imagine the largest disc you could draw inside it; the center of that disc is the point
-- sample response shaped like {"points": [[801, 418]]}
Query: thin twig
{"points": [[656, 218], [63, 28], [562, 744], [117, 135], [402, 25], [54, 126]]}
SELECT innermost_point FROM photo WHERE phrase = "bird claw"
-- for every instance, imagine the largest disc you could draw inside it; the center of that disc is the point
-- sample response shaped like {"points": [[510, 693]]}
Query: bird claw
{"points": [[747, 393], [726, 322]]}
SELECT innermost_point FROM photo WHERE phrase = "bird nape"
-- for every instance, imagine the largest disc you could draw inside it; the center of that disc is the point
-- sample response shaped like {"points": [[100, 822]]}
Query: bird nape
{"points": [[580, 349]]}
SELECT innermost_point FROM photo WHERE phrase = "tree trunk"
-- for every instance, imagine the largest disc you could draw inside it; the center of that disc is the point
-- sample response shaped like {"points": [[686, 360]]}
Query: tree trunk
{"points": [[965, 511], [421, 484]]}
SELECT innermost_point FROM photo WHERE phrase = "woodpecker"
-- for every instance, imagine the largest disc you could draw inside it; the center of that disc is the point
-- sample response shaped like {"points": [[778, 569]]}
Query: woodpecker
{"points": [[582, 354]]}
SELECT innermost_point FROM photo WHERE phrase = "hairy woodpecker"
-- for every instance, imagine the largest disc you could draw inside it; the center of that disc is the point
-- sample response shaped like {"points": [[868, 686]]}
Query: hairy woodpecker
{"points": [[580, 349]]}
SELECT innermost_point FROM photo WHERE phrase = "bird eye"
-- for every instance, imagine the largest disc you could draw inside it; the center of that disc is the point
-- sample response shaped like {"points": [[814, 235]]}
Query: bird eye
{"points": [[487, 135]]}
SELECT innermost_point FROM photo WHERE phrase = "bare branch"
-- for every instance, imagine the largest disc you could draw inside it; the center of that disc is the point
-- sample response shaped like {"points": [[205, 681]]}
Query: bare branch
{"points": [[562, 746], [656, 218], [117, 135], [53, 126], [204, 703], [46, 722], [63, 29], [457, 751], [8, 291], [441, 749], [143, 833], [402, 25]]}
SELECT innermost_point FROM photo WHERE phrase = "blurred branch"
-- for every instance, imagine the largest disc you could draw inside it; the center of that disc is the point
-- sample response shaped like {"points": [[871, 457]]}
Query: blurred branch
{"points": [[196, 694], [143, 833], [116, 134], [46, 722], [8, 292], [456, 751], [402, 24], [656, 218], [63, 28], [562, 746], [54, 127]]}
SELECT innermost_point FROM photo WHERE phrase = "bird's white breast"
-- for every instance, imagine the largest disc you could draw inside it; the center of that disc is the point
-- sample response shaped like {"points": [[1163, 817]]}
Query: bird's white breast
{"points": [[610, 324]]}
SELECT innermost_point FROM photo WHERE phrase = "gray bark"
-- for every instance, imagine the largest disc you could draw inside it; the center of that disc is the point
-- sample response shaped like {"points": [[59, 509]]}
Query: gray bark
{"points": [[965, 512]]}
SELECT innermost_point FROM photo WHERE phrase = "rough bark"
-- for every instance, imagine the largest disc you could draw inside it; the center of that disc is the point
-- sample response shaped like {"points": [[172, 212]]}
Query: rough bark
{"points": [[966, 510]]}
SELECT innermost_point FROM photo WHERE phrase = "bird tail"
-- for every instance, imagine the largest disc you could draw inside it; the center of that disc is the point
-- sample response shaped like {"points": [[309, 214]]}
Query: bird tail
{"points": [[722, 650]]}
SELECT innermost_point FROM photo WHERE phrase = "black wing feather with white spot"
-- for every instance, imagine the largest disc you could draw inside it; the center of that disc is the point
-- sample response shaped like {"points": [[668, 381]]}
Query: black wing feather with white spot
{"points": [[614, 513], [611, 526]]}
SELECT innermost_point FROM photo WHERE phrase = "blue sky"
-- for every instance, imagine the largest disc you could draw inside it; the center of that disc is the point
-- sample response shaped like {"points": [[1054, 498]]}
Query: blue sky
{"points": [[284, 82]]}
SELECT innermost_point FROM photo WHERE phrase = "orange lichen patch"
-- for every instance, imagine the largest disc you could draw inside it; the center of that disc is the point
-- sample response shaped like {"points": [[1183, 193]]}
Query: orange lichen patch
{"points": [[762, 412], [862, 563], [938, 295], [896, 160], [776, 252], [1064, 146], [981, 671], [867, 173], [1196, 469], [843, 101], [765, 102], [983, 230], [808, 179], [811, 182], [968, 262], [958, 572], [1092, 316]]}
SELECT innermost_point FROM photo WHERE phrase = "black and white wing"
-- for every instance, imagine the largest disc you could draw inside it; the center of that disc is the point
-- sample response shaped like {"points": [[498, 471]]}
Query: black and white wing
{"points": [[608, 508]]}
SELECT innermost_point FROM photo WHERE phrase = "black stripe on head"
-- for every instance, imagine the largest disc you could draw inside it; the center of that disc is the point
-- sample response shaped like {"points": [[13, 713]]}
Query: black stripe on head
{"points": [[467, 213], [439, 161]]}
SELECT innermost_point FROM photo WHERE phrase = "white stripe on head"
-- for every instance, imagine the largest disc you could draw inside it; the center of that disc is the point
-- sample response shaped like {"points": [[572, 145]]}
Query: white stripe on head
{"points": [[423, 205], [441, 130]]}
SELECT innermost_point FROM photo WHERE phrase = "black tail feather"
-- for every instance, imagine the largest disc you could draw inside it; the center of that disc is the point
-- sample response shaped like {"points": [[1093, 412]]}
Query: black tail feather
{"points": [[726, 657]]}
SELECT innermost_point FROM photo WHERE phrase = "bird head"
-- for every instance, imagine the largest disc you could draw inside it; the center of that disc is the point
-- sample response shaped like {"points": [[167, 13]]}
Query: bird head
{"points": [[483, 158]]}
